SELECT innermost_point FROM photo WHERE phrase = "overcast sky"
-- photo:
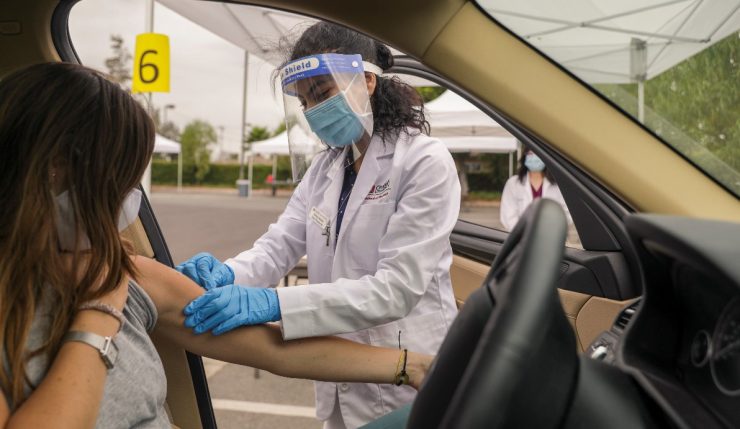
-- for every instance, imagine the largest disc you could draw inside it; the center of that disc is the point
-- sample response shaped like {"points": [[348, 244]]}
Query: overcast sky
{"points": [[206, 71]]}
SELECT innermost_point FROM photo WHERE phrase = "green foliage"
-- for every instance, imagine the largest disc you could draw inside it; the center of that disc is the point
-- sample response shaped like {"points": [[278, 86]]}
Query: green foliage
{"points": [[197, 136], [221, 175], [429, 93], [695, 106], [701, 96], [258, 134]]}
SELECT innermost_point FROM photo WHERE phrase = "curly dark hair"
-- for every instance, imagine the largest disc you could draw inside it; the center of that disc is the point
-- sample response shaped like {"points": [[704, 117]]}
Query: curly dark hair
{"points": [[397, 107]]}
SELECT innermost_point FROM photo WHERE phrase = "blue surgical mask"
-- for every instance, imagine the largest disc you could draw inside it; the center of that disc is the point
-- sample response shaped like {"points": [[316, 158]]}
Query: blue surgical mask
{"points": [[533, 162], [334, 122]]}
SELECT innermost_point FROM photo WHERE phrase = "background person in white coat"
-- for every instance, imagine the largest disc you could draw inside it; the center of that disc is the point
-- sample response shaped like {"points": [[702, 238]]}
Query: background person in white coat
{"points": [[532, 181], [373, 213]]}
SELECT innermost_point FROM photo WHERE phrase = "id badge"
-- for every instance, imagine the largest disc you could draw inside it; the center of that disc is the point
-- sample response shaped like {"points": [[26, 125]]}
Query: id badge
{"points": [[322, 221], [319, 218]]}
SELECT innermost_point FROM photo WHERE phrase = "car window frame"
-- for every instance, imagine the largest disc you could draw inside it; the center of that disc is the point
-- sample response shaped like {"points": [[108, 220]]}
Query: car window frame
{"points": [[597, 213]]}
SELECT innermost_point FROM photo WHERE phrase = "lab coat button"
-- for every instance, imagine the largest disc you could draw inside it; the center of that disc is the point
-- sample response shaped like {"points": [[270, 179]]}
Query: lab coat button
{"points": [[344, 387]]}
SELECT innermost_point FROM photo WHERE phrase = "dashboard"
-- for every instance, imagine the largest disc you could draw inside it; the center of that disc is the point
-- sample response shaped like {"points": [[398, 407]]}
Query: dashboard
{"points": [[708, 362], [683, 344]]}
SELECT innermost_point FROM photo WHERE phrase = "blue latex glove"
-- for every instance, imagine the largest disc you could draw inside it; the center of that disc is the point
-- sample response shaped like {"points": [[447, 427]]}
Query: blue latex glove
{"points": [[225, 308], [207, 271]]}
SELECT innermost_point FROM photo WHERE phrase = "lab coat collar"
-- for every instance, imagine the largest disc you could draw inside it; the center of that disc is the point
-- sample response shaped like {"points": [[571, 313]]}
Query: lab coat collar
{"points": [[376, 149], [528, 186]]}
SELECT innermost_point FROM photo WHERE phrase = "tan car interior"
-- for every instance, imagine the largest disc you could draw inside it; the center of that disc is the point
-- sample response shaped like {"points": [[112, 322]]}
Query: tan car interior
{"points": [[588, 315], [181, 403], [459, 41]]}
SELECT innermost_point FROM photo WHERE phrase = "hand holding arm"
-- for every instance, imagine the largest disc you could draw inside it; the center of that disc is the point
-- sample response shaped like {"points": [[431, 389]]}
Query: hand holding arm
{"points": [[207, 271], [228, 307]]}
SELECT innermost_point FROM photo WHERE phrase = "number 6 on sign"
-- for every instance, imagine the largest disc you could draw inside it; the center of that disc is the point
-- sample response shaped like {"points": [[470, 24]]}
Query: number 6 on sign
{"points": [[152, 63]]}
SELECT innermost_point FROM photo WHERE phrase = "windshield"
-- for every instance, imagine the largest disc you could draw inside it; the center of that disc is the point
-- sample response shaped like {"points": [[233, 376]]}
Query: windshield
{"points": [[672, 65]]}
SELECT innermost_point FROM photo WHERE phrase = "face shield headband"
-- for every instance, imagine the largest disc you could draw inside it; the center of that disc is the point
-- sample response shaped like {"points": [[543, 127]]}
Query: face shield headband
{"points": [[322, 64], [326, 97]]}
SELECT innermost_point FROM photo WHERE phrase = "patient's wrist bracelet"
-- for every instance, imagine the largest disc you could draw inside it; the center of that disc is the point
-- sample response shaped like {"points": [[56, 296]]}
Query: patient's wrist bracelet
{"points": [[402, 377], [104, 308]]}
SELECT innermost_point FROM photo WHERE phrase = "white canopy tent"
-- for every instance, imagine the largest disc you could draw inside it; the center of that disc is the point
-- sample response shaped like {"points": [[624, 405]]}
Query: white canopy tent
{"points": [[451, 115], [164, 145], [277, 145], [625, 41], [255, 29], [479, 144], [465, 128]]}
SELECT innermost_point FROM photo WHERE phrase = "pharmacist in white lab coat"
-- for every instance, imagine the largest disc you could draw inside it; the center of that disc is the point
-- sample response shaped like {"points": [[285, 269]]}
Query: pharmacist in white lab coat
{"points": [[532, 181], [373, 213]]}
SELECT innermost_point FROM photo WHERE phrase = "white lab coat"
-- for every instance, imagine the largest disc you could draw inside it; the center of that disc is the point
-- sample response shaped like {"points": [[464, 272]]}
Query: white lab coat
{"points": [[387, 272], [517, 196]]}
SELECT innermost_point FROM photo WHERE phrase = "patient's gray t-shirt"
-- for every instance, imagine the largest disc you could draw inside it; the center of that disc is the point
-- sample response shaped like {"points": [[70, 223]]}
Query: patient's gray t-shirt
{"points": [[136, 388]]}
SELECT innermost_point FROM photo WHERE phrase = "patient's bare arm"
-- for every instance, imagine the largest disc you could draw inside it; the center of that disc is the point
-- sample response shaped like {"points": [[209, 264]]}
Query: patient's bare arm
{"points": [[324, 358]]}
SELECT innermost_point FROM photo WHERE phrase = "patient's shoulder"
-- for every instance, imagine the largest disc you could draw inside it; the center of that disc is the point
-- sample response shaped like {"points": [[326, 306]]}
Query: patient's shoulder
{"points": [[169, 289]]}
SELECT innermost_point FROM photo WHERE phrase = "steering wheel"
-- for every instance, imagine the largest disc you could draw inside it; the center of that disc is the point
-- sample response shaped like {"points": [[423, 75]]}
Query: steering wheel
{"points": [[509, 359]]}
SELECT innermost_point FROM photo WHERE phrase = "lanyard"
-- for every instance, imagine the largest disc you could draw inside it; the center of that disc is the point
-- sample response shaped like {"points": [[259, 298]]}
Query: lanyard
{"points": [[349, 182]]}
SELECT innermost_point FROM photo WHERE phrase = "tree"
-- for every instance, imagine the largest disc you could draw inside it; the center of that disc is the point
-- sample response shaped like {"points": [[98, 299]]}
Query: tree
{"points": [[429, 93], [258, 134], [695, 107], [118, 64], [195, 140], [167, 129], [701, 96]]}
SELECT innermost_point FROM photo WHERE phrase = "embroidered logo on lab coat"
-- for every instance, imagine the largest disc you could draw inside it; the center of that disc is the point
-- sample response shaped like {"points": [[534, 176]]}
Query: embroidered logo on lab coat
{"points": [[379, 191]]}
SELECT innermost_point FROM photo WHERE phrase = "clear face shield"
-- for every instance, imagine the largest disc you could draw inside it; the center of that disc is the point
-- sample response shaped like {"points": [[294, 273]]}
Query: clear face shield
{"points": [[326, 100]]}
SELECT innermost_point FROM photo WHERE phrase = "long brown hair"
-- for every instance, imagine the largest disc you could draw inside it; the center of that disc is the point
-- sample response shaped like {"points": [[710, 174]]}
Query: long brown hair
{"points": [[71, 119]]}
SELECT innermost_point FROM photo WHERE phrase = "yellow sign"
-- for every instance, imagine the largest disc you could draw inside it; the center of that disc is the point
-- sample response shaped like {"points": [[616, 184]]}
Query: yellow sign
{"points": [[152, 63]]}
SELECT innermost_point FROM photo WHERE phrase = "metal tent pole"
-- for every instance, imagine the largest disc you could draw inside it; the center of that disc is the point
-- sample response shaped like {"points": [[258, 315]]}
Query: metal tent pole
{"points": [[511, 164], [641, 101], [638, 73], [179, 170], [249, 173], [244, 115]]}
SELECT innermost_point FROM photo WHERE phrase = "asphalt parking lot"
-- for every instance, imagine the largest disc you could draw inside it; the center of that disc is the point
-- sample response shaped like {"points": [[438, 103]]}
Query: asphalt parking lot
{"points": [[224, 224]]}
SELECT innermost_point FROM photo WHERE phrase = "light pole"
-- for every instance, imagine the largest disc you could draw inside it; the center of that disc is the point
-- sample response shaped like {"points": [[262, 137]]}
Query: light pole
{"points": [[146, 180], [164, 112], [244, 137]]}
